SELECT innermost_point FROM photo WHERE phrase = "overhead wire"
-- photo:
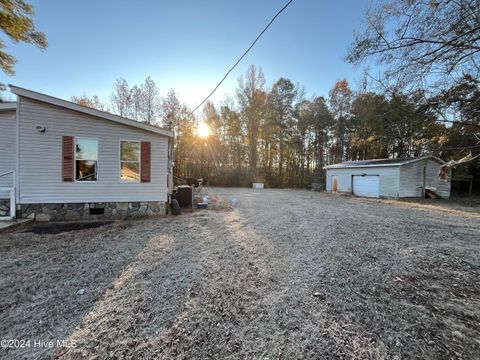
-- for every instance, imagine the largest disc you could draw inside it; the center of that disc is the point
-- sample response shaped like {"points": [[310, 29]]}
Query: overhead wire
{"points": [[240, 58]]}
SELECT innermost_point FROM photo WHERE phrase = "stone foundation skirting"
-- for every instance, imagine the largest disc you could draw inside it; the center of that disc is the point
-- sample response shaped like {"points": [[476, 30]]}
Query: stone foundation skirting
{"points": [[91, 211]]}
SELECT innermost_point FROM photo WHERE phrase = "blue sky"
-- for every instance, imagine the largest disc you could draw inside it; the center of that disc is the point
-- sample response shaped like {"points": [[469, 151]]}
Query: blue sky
{"points": [[186, 45]]}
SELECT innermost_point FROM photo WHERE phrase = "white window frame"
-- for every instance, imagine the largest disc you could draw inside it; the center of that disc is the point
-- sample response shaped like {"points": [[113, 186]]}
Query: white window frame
{"points": [[75, 138], [139, 162]]}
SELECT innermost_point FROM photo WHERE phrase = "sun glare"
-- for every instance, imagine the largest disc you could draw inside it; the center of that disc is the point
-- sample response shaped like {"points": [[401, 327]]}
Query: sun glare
{"points": [[203, 130]]}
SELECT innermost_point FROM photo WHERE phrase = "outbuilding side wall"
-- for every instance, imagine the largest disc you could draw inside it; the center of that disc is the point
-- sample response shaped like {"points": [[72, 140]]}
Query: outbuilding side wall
{"points": [[388, 179], [411, 179]]}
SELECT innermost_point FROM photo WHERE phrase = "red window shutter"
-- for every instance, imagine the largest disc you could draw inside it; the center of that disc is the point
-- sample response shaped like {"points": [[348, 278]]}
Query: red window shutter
{"points": [[145, 155], [67, 158]]}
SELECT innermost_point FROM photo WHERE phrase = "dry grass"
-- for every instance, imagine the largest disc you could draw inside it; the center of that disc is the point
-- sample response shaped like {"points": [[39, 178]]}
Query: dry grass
{"points": [[286, 274]]}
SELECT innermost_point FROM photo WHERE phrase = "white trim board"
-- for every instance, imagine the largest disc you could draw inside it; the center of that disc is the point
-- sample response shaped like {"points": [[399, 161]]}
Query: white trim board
{"points": [[8, 105], [17, 158]]}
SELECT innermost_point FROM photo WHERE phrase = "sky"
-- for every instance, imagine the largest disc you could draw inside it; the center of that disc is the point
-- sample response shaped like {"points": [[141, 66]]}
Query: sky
{"points": [[185, 45]]}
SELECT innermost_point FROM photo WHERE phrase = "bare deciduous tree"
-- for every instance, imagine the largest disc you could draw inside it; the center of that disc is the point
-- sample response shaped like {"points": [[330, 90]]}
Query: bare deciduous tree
{"points": [[150, 101], [251, 96], [427, 44], [141, 102], [340, 102], [94, 102], [121, 100]]}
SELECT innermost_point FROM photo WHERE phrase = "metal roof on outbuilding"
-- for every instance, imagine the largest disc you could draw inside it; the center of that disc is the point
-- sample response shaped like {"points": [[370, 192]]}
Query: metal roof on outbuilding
{"points": [[380, 162]]}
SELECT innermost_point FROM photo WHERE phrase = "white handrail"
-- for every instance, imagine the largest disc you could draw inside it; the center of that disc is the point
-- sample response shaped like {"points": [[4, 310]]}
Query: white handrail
{"points": [[12, 194], [8, 172]]}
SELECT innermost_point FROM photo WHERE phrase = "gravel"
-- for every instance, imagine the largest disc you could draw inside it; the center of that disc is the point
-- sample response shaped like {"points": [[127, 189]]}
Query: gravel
{"points": [[282, 274]]}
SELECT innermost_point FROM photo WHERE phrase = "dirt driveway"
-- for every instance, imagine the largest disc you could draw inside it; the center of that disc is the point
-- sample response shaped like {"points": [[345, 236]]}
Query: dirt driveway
{"points": [[286, 274]]}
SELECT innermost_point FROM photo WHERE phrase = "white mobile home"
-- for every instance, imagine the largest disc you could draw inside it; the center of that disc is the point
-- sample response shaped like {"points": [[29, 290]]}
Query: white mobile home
{"points": [[66, 161], [395, 178]]}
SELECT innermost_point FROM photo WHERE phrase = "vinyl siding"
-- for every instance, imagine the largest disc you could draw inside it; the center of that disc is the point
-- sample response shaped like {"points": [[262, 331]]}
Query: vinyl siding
{"points": [[388, 179], [411, 179], [40, 158], [8, 148]]}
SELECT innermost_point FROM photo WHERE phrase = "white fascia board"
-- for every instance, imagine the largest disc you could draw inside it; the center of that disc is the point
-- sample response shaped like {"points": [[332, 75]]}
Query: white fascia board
{"points": [[426, 157], [338, 166], [8, 105], [330, 167], [86, 110]]}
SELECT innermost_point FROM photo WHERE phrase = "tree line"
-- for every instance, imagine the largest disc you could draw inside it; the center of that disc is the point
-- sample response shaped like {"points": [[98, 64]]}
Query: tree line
{"points": [[277, 135]]}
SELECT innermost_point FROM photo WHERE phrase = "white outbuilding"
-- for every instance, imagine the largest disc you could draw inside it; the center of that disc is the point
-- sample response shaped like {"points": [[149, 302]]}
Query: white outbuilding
{"points": [[395, 178]]}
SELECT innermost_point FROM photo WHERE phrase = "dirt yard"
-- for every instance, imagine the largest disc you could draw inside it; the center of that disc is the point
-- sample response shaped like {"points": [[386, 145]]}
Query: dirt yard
{"points": [[286, 274]]}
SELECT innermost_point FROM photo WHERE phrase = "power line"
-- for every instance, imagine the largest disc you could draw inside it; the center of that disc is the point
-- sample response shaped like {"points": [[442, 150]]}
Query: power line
{"points": [[241, 57]]}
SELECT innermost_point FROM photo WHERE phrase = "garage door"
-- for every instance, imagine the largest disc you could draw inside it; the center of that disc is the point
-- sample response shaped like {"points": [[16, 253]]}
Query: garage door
{"points": [[367, 185]]}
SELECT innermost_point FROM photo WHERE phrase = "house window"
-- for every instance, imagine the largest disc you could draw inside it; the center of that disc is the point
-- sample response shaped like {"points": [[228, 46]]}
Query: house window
{"points": [[86, 157], [130, 161]]}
